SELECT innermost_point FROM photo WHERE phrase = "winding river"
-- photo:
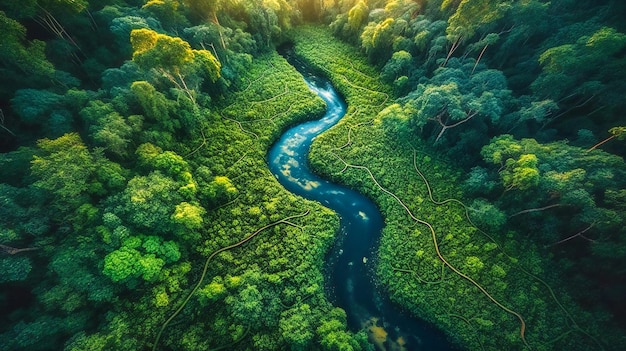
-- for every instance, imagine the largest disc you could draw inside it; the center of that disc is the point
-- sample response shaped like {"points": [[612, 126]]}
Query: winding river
{"points": [[351, 284]]}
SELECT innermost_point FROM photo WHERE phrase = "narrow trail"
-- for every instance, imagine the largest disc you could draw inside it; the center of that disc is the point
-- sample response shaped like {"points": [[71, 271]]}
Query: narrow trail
{"points": [[436, 245], [492, 239], [286, 220]]}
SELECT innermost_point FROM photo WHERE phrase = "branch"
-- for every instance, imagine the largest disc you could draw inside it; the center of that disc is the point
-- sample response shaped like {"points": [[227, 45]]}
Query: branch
{"points": [[602, 142], [13, 251], [478, 60], [2, 123], [534, 210], [580, 233], [453, 48], [446, 127], [578, 105]]}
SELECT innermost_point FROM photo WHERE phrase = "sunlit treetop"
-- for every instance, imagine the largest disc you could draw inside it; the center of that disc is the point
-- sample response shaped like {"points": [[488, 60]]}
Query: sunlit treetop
{"points": [[357, 15], [172, 54], [472, 14]]}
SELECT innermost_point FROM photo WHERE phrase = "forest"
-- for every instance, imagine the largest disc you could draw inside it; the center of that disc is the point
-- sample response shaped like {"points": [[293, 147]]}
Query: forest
{"points": [[138, 211]]}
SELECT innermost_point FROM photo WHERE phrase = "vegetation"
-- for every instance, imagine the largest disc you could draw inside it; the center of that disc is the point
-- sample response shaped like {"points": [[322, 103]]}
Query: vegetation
{"points": [[460, 266], [138, 211]]}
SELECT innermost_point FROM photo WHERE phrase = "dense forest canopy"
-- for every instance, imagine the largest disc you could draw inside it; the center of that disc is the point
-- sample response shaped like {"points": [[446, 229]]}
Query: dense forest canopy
{"points": [[138, 211]]}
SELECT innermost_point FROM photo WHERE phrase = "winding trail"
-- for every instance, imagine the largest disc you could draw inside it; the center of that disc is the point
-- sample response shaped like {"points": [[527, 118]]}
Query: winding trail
{"points": [[575, 326], [435, 242], [286, 220]]}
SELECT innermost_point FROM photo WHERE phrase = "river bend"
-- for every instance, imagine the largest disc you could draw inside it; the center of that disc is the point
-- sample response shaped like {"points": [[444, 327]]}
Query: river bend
{"points": [[351, 284]]}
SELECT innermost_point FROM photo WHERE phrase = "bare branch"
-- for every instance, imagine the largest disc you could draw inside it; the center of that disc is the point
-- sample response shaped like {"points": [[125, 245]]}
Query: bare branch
{"points": [[2, 124], [13, 251], [534, 210], [580, 233]]}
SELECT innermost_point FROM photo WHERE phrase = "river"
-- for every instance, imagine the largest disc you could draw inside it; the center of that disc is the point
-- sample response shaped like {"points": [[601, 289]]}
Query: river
{"points": [[351, 284]]}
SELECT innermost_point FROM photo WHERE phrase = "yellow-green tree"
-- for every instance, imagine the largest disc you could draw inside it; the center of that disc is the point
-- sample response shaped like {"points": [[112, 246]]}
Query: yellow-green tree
{"points": [[172, 57]]}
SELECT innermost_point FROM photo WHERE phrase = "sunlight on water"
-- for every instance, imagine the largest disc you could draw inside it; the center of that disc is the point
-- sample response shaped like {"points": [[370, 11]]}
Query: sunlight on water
{"points": [[351, 284]]}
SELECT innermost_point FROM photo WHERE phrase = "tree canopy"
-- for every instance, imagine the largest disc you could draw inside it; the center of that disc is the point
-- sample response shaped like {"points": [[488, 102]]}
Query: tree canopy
{"points": [[137, 210]]}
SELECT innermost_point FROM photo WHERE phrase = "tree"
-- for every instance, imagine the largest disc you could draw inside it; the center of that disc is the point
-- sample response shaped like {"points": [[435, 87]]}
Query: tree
{"points": [[208, 10], [487, 216], [20, 55], [377, 38], [583, 75], [155, 105], [189, 217], [295, 326], [113, 133], [35, 106], [469, 16], [154, 50], [122, 26], [221, 189], [521, 173], [500, 149], [332, 333], [208, 64], [168, 12], [247, 306], [455, 96], [147, 202], [357, 15], [172, 57], [397, 66], [14, 268], [140, 256], [446, 105], [64, 168]]}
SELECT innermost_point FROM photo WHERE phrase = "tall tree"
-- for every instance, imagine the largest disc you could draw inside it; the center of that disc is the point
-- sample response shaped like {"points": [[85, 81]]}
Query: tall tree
{"points": [[64, 168], [172, 57]]}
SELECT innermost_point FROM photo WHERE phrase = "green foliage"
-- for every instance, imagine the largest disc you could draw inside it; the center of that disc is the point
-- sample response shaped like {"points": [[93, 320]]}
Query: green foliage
{"points": [[142, 257], [154, 50], [33, 106], [111, 257], [155, 105], [295, 326], [486, 215], [357, 15], [64, 169], [167, 11], [471, 15], [408, 264], [188, 215], [208, 64], [109, 128], [148, 202], [18, 53], [332, 335], [521, 173], [170, 54], [14, 269], [397, 66], [213, 291]]}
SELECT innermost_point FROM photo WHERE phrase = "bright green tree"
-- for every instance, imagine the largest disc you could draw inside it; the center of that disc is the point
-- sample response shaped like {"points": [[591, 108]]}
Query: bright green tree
{"points": [[173, 58], [295, 326], [64, 168]]}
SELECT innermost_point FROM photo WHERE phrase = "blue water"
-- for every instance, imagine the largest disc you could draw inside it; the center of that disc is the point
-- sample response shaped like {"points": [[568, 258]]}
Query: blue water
{"points": [[351, 283]]}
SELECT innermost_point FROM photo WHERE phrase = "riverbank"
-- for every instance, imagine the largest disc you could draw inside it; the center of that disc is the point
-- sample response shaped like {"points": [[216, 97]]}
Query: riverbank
{"points": [[487, 294]]}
